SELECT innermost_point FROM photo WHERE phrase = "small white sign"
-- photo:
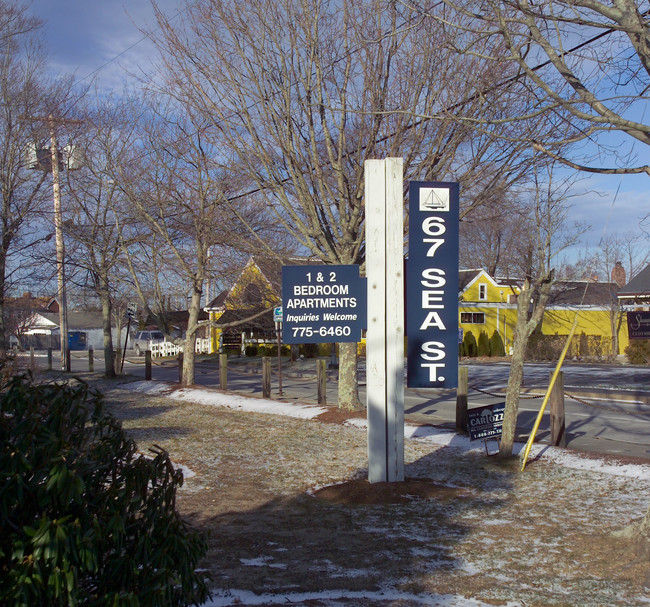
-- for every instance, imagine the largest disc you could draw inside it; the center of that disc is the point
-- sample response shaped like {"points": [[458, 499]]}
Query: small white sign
{"points": [[132, 309], [277, 314], [434, 199]]}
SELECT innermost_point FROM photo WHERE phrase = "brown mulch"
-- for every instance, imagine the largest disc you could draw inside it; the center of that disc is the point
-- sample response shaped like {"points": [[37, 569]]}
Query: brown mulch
{"points": [[360, 491]]}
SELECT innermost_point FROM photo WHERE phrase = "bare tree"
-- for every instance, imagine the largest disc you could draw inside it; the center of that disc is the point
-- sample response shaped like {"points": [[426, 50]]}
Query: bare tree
{"points": [[21, 94], [177, 184], [96, 200], [494, 236], [586, 62], [547, 235], [304, 92]]}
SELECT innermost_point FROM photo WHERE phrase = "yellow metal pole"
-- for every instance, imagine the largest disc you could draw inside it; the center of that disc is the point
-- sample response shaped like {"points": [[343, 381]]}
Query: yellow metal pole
{"points": [[531, 439]]}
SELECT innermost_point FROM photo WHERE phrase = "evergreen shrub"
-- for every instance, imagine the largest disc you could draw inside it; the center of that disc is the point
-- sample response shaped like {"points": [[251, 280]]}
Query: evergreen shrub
{"points": [[84, 519], [496, 345], [483, 344], [469, 344], [638, 351]]}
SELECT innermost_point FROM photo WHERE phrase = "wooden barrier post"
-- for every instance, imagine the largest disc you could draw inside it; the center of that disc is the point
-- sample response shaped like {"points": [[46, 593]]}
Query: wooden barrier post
{"points": [[68, 360], [91, 359], [558, 435], [31, 357], [461, 399], [180, 367], [321, 378], [49, 359], [147, 364], [266, 377], [223, 371]]}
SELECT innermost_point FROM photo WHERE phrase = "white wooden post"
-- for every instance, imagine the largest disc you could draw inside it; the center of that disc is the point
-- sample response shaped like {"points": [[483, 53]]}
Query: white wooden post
{"points": [[385, 335]]}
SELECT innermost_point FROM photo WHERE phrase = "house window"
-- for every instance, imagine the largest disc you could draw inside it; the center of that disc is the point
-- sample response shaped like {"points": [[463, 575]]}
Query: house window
{"points": [[472, 318], [482, 291]]}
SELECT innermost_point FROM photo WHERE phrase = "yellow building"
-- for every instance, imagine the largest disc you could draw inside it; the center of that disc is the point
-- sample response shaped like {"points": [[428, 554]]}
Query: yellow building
{"points": [[490, 304], [248, 305]]}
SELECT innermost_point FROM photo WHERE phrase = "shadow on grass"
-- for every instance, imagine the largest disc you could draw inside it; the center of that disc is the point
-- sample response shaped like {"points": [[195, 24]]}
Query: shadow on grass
{"points": [[356, 536]]}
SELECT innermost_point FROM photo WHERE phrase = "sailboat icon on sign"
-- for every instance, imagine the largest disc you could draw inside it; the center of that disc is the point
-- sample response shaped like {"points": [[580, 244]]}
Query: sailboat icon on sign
{"points": [[434, 199]]}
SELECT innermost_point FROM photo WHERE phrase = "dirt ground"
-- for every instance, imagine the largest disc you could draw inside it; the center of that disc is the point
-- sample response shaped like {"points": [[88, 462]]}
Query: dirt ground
{"points": [[290, 515]]}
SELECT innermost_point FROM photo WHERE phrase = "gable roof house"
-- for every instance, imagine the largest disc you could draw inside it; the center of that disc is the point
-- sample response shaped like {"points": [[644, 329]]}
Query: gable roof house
{"points": [[247, 306], [490, 304], [636, 293], [19, 310], [85, 330]]}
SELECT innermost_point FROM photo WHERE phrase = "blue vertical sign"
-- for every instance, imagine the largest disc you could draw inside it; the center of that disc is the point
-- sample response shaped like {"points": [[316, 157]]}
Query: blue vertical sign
{"points": [[432, 285]]}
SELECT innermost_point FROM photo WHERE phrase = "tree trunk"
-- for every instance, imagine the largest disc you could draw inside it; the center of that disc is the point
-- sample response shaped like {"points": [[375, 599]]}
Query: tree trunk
{"points": [[105, 299], [614, 318], [189, 349], [526, 323], [3, 327], [348, 378], [512, 393]]}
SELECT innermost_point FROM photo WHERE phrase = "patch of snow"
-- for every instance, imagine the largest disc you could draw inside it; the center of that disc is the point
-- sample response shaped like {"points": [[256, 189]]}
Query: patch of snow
{"points": [[148, 387], [258, 562], [225, 598], [575, 461], [429, 434], [187, 472], [356, 422], [242, 403]]}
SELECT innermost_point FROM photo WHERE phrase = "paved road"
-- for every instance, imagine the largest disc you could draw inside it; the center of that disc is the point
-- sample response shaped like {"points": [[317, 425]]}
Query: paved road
{"points": [[612, 415]]}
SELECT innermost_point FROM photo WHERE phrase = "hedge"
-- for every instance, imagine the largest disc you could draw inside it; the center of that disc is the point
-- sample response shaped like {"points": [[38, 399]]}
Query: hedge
{"points": [[84, 518]]}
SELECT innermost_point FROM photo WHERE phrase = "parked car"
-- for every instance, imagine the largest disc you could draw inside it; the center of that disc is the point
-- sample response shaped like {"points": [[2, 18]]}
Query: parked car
{"points": [[144, 339]]}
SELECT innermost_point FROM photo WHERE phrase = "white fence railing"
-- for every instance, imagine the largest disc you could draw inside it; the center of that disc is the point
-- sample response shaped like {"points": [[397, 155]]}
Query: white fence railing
{"points": [[167, 348]]}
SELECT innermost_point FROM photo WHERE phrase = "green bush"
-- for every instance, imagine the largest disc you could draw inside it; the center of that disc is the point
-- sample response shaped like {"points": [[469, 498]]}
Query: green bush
{"points": [[85, 519], [496, 345], [326, 350], [583, 347], [251, 350], [269, 350], [469, 344], [483, 344], [638, 351]]}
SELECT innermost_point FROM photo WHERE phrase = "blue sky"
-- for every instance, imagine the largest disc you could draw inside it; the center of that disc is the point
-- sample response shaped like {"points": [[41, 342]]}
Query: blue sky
{"points": [[84, 35], [98, 37]]}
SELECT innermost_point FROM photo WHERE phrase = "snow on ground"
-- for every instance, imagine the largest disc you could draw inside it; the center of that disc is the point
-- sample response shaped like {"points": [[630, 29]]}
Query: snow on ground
{"points": [[430, 434], [245, 597], [421, 434], [243, 403]]}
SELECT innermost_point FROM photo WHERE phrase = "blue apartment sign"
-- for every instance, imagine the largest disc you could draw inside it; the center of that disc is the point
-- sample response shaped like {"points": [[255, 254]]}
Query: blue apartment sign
{"points": [[323, 304], [432, 285]]}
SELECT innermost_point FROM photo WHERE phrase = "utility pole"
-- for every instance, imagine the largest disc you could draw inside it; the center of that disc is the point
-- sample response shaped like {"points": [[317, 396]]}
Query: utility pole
{"points": [[58, 231], [60, 247]]}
